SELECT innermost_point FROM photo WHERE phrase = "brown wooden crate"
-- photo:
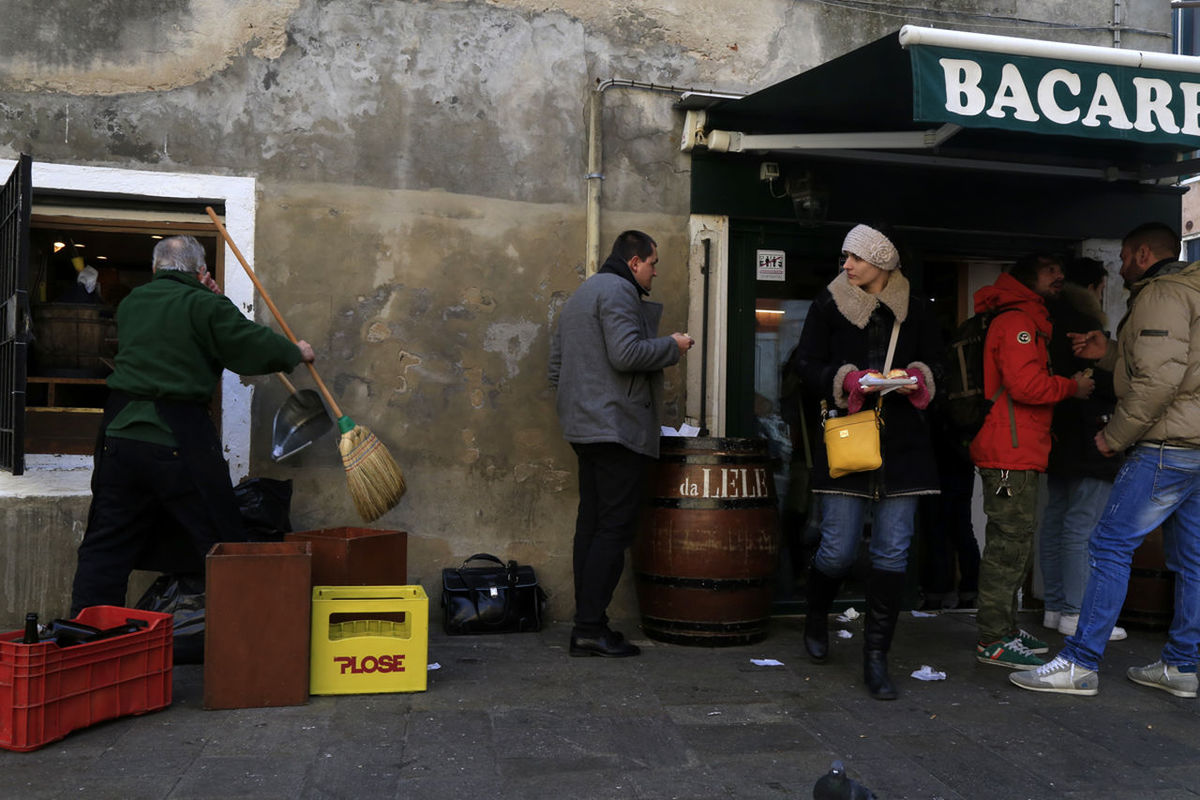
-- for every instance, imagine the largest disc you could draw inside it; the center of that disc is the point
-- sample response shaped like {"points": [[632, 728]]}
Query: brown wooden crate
{"points": [[356, 556], [257, 624]]}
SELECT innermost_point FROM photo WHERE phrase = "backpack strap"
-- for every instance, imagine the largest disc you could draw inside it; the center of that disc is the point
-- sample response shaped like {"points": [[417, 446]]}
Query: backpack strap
{"points": [[1012, 422], [1012, 414]]}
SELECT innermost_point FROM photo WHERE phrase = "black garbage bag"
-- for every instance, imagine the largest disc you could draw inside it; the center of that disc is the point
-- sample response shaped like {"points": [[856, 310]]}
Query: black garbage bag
{"points": [[265, 504], [181, 596]]}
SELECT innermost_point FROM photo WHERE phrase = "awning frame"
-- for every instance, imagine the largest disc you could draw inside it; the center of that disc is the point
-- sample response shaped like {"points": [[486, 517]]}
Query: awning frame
{"points": [[901, 146]]}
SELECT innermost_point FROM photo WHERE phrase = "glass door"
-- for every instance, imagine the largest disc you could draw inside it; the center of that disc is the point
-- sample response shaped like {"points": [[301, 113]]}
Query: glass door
{"points": [[775, 272]]}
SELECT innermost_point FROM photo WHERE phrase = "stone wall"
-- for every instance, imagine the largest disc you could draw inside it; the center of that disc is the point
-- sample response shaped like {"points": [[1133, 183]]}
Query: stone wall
{"points": [[421, 207]]}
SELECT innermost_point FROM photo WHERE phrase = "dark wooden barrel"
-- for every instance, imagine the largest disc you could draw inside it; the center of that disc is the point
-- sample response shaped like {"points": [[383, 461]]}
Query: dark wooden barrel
{"points": [[706, 554], [73, 339], [1150, 600]]}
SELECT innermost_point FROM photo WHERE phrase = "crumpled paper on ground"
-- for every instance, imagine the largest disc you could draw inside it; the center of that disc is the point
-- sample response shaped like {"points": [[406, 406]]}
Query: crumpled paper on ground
{"points": [[844, 634], [766, 662], [928, 673], [849, 615]]}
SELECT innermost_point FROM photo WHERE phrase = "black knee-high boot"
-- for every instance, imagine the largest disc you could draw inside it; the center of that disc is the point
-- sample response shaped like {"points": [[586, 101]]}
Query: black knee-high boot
{"points": [[883, 607], [822, 590]]}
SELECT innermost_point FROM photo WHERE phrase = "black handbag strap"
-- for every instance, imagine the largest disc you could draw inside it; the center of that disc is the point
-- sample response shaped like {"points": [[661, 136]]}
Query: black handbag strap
{"points": [[482, 557], [510, 568]]}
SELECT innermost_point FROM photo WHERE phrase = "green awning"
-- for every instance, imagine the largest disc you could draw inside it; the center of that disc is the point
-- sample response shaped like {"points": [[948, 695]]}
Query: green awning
{"points": [[1053, 88], [975, 101]]}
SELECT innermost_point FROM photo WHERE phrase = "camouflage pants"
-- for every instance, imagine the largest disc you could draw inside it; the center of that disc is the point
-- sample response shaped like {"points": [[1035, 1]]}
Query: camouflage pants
{"points": [[1007, 548]]}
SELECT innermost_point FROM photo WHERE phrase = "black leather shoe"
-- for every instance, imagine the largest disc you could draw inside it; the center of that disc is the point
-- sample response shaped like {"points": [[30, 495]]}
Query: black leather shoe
{"points": [[609, 644]]}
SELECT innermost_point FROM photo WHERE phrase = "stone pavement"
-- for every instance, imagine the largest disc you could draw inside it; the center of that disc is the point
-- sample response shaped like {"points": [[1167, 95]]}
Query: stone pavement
{"points": [[515, 717]]}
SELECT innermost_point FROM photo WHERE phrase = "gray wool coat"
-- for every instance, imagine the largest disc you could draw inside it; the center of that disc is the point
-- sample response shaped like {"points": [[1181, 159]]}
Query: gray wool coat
{"points": [[606, 362]]}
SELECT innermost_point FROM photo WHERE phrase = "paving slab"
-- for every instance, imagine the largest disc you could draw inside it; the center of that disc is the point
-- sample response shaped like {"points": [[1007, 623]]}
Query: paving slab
{"points": [[516, 717]]}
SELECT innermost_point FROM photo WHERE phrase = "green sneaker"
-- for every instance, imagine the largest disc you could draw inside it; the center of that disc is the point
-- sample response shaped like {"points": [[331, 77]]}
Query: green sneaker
{"points": [[1010, 655], [1059, 676], [1031, 642]]}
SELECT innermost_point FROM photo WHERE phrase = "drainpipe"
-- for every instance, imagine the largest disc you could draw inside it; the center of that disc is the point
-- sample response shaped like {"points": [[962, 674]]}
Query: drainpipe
{"points": [[594, 177], [595, 168], [1117, 22]]}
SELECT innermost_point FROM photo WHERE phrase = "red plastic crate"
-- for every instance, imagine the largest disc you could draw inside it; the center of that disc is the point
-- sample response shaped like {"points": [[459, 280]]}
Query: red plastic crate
{"points": [[48, 691]]}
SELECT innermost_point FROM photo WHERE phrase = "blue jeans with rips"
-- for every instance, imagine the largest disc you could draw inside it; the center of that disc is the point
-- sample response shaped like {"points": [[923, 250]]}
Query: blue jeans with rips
{"points": [[842, 518], [1154, 485], [1073, 507]]}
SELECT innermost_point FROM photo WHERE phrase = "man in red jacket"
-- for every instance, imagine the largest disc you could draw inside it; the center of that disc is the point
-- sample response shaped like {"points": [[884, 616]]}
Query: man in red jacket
{"points": [[1013, 446]]}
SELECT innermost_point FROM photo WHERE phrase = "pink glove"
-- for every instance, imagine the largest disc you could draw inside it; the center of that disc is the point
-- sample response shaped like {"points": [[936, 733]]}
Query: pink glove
{"points": [[854, 392], [919, 396]]}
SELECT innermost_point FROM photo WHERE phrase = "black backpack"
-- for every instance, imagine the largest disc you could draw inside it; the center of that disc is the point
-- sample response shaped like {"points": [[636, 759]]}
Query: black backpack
{"points": [[966, 406]]}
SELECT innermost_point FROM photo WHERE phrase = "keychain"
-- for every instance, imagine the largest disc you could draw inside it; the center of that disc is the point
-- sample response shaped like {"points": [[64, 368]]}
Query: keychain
{"points": [[1004, 490]]}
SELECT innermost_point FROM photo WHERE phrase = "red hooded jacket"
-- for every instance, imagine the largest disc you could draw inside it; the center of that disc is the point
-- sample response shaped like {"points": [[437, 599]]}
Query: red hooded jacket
{"points": [[1016, 359]]}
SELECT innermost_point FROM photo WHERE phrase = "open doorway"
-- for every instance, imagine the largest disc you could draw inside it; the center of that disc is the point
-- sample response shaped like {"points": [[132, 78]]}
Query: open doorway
{"points": [[766, 319], [80, 269]]}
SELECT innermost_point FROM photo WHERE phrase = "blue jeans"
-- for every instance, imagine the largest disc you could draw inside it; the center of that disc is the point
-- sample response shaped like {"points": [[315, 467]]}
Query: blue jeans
{"points": [[1073, 508], [1153, 486], [842, 518]]}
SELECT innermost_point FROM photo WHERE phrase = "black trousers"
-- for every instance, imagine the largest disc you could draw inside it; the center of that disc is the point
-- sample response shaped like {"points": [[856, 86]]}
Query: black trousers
{"points": [[145, 495], [611, 489]]}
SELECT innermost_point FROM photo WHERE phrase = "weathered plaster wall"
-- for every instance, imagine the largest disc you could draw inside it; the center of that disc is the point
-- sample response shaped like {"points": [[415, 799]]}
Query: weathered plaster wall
{"points": [[421, 197], [436, 315]]}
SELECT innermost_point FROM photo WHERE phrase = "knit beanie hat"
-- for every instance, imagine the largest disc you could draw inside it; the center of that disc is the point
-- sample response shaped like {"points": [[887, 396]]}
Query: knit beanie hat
{"points": [[871, 246]]}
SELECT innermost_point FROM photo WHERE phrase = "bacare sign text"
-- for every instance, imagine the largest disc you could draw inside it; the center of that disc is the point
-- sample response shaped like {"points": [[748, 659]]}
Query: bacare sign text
{"points": [[1039, 95]]}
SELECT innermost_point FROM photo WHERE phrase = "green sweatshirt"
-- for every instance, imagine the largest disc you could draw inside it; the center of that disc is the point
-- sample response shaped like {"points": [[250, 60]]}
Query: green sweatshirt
{"points": [[175, 337]]}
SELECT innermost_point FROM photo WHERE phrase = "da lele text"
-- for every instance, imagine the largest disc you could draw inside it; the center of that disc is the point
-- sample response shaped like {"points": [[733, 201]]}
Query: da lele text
{"points": [[725, 483]]}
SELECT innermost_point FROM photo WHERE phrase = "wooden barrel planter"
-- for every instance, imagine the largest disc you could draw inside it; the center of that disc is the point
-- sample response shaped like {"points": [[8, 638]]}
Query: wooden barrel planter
{"points": [[1150, 600], [73, 339], [705, 557]]}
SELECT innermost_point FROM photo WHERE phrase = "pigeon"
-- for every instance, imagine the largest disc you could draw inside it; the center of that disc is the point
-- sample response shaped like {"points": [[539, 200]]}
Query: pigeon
{"points": [[836, 785]]}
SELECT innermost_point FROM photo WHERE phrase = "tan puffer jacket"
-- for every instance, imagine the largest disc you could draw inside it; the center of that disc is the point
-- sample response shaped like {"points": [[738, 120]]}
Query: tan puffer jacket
{"points": [[1157, 374]]}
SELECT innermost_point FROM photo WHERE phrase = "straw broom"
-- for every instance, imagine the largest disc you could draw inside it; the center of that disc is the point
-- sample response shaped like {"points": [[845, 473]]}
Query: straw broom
{"points": [[375, 480]]}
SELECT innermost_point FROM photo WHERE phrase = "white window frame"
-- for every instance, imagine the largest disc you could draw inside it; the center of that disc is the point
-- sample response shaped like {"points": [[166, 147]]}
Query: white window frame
{"points": [[714, 229], [239, 196]]}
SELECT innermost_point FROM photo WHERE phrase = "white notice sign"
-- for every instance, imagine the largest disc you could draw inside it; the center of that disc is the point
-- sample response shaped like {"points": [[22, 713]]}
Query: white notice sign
{"points": [[771, 265]]}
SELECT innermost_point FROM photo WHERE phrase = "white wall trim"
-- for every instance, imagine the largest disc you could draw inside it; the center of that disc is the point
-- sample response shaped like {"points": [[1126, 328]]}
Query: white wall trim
{"points": [[239, 195], [714, 229]]}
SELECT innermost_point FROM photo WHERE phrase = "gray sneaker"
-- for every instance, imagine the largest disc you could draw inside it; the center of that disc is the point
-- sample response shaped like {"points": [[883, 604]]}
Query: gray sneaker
{"points": [[1166, 677], [1060, 676]]}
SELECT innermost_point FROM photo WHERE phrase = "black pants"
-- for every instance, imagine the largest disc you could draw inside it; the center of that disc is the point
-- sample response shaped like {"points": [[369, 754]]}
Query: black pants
{"points": [[143, 493], [947, 534], [611, 488]]}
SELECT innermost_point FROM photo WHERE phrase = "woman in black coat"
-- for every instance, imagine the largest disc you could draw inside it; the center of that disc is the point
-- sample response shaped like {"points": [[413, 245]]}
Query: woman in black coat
{"points": [[846, 337]]}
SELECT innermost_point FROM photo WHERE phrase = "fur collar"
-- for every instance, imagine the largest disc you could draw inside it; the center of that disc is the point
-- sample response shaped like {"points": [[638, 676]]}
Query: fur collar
{"points": [[1083, 301], [857, 306]]}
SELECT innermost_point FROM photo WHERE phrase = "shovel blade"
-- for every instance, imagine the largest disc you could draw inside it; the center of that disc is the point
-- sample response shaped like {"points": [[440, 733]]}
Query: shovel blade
{"points": [[299, 422]]}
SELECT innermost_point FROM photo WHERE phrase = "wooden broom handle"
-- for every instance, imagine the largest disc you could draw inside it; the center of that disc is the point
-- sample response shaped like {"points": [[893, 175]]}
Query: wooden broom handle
{"points": [[337, 412], [290, 386]]}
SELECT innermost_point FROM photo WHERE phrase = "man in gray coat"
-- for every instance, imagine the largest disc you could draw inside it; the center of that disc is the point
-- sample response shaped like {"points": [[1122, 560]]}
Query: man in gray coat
{"points": [[606, 362]]}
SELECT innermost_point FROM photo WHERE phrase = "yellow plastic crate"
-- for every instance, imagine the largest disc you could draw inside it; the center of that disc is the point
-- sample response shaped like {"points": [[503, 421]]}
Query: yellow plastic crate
{"points": [[369, 639]]}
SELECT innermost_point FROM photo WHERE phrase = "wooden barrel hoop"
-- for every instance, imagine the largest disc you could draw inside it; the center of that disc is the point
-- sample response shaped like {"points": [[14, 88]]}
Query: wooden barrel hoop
{"points": [[706, 554]]}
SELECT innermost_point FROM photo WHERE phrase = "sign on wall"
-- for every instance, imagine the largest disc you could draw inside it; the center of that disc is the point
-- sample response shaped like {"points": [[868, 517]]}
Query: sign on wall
{"points": [[772, 265], [976, 88]]}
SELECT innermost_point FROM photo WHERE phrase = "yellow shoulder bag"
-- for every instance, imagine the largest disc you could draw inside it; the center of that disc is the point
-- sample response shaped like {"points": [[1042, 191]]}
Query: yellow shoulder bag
{"points": [[852, 443]]}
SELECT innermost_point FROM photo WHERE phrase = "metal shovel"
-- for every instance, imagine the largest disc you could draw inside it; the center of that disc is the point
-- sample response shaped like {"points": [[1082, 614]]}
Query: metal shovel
{"points": [[299, 422]]}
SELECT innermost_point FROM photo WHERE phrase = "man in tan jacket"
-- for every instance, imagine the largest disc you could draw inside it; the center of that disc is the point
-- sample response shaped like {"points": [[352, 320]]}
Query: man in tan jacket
{"points": [[1157, 422]]}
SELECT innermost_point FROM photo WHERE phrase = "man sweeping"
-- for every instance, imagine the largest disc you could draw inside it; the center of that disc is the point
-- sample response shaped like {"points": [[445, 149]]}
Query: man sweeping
{"points": [[161, 493], [606, 362]]}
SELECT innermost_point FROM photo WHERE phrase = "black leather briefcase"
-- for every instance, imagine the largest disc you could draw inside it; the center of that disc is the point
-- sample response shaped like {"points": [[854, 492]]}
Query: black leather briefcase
{"points": [[497, 598]]}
